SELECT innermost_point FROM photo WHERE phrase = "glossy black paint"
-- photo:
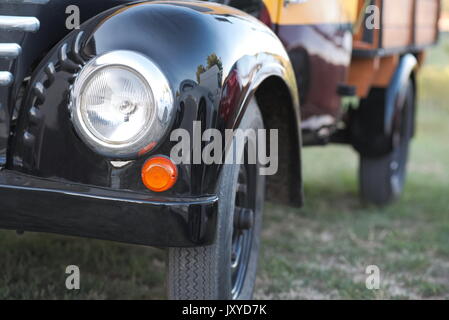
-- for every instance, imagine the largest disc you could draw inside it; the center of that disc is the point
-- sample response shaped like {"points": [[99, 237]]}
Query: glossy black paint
{"points": [[214, 57], [46, 145], [107, 214], [319, 71], [35, 46]]}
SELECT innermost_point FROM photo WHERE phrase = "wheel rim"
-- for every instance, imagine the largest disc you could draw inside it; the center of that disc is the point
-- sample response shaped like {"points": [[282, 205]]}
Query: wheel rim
{"points": [[243, 228]]}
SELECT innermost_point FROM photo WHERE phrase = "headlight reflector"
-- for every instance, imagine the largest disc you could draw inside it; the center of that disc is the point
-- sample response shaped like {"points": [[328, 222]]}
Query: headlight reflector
{"points": [[116, 105], [121, 104]]}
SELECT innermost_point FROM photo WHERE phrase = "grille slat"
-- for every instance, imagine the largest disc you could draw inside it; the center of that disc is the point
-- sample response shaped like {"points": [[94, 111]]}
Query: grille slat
{"points": [[9, 50], [16, 23], [27, 1], [18, 18], [6, 78]]}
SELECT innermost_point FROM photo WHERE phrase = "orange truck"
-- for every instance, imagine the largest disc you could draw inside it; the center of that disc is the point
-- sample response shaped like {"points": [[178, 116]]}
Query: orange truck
{"points": [[376, 63]]}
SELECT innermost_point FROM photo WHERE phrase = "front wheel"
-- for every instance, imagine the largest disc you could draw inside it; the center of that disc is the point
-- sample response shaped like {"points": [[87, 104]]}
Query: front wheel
{"points": [[382, 178], [226, 269]]}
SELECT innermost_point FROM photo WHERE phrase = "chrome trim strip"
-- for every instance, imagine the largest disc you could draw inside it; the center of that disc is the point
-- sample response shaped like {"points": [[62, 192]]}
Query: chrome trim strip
{"points": [[6, 78], [16, 23], [10, 50], [27, 1]]}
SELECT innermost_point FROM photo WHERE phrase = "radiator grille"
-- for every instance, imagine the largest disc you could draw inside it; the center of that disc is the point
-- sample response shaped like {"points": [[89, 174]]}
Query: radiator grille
{"points": [[10, 51]]}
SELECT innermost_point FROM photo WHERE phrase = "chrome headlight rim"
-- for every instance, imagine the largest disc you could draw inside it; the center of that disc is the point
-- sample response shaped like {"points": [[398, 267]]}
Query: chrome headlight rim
{"points": [[159, 89]]}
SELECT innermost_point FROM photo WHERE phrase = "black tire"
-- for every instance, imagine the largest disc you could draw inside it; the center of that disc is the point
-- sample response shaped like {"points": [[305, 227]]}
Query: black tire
{"points": [[382, 179], [205, 273]]}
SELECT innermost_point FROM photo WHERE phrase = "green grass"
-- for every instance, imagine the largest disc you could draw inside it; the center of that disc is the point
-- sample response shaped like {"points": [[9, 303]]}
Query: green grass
{"points": [[320, 251]]}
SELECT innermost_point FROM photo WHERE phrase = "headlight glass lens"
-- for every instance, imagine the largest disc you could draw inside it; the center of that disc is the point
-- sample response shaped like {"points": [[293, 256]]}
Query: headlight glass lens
{"points": [[116, 105], [121, 104]]}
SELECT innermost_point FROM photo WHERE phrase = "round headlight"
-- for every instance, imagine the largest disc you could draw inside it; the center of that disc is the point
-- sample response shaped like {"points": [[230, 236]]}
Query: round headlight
{"points": [[121, 104], [116, 105]]}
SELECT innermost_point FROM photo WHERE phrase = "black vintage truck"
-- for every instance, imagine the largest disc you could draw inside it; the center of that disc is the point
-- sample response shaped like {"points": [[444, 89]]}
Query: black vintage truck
{"points": [[87, 112]]}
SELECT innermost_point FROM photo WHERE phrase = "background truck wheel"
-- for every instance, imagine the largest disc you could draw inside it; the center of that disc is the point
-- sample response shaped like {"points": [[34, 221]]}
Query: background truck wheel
{"points": [[382, 178], [227, 269]]}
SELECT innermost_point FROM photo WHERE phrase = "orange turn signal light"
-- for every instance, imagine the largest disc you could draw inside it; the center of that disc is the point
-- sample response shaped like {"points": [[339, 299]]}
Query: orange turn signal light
{"points": [[159, 174]]}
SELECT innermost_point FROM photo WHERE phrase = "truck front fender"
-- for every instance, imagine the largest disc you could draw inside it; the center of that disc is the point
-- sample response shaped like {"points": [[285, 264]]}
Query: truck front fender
{"points": [[214, 57]]}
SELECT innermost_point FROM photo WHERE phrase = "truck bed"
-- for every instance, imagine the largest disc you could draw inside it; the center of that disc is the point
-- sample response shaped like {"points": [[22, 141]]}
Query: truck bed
{"points": [[405, 26]]}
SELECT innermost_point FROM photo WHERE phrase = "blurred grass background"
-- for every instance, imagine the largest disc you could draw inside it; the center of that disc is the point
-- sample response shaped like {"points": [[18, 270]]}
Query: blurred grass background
{"points": [[320, 251]]}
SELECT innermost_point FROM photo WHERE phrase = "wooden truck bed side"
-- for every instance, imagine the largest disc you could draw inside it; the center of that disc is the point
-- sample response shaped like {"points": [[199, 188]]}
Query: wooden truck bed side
{"points": [[406, 26]]}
